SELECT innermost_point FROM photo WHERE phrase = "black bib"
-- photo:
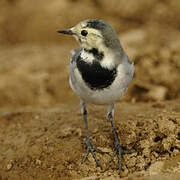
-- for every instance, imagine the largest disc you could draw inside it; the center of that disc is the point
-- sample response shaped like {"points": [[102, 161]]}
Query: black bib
{"points": [[95, 76]]}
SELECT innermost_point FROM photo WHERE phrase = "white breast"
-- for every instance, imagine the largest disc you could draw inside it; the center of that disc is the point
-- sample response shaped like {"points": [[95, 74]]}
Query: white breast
{"points": [[88, 57]]}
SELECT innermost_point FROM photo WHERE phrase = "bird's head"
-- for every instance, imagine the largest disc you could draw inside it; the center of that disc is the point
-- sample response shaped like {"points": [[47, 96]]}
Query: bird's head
{"points": [[94, 33]]}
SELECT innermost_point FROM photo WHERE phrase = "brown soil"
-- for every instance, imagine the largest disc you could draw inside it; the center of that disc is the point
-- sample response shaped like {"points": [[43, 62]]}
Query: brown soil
{"points": [[47, 143], [42, 132]]}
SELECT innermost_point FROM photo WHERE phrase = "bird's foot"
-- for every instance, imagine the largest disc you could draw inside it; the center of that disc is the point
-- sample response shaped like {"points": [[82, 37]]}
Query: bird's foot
{"points": [[91, 149], [119, 151]]}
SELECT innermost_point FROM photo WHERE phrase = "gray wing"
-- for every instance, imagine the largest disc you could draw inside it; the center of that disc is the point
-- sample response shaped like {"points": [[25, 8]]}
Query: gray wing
{"points": [[72, 65], [75, 53]]}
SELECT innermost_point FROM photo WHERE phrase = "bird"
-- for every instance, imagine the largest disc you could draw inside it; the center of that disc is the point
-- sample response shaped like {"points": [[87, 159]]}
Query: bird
{"points": [[100, 73]]}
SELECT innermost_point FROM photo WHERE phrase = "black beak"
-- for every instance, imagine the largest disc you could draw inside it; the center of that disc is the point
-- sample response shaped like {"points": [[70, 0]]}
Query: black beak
{"points": [[66, 31]]}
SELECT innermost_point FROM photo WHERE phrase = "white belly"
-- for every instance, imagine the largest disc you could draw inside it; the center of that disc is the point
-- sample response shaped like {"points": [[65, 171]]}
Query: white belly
{"points": [[108, 95]]}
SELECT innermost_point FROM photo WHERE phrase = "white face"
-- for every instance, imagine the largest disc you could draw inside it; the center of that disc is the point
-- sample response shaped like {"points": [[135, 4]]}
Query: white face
{"points": [[87, 37]]}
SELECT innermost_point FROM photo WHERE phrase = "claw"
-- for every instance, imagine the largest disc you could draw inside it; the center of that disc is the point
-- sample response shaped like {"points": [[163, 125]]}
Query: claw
{"points": [[98, 150], [119, 152], [91, 149], [128, 151], [112, 157]]}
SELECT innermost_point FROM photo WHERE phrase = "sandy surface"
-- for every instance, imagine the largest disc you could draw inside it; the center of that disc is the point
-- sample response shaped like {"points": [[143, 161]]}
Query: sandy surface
{"points": [[42, 132], [47, 143]]}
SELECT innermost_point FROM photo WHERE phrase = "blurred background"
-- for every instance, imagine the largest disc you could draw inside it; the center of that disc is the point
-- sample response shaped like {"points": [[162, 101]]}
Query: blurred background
{"points": [[34, 58]]}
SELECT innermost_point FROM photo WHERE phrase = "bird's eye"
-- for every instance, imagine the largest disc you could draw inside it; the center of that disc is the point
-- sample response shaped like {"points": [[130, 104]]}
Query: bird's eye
{"points": [[84, 33]]}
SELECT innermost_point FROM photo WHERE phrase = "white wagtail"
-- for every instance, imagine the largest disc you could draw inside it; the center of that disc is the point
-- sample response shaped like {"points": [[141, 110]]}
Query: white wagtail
{"points": [[100, 73]]}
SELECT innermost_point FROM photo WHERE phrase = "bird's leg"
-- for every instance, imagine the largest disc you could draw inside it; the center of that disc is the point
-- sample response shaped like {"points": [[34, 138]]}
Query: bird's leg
{"points": [[90, 148], [118, 149]]}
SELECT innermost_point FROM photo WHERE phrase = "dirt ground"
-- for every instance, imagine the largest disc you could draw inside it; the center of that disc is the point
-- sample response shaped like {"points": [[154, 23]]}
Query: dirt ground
{"points": [[47, 142], [42, 131]]}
